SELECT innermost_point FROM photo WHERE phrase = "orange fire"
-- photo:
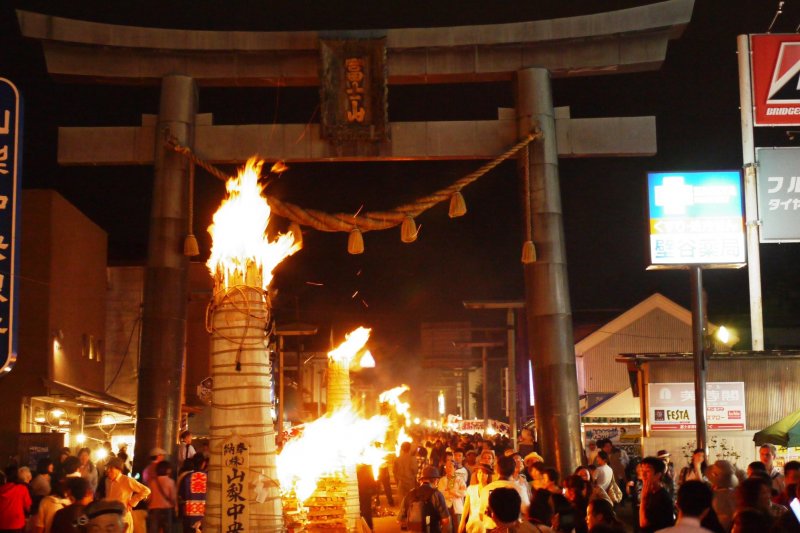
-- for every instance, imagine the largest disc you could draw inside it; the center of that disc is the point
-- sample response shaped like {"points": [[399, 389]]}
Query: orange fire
{"points": [[239, 230], [354, 342]]}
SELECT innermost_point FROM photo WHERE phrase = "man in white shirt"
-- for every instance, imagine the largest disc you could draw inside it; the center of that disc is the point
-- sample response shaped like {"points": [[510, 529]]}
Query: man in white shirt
{"points": [[505, 470], [603, 474], [124, 489], [767, 455], [185, 448], [694, 503]]}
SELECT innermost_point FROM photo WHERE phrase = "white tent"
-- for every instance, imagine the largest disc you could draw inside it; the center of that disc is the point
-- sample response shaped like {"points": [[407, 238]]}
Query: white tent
{"points": [[622, 408]]}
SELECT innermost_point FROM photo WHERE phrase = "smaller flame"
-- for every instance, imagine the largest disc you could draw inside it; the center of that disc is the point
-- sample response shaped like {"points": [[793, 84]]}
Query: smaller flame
{"points": [[392, 397], [354, 342], [402, 437]]}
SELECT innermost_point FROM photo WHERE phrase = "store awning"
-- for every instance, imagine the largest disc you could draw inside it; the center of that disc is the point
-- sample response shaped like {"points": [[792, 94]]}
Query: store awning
{"points": [[620, 408], [784, 432], [94, 398]]}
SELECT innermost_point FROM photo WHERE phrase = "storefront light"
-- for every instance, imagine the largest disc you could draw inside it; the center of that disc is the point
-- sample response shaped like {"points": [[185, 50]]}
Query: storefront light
{"points": [[80, 438], [100, 454], [57, 413]]}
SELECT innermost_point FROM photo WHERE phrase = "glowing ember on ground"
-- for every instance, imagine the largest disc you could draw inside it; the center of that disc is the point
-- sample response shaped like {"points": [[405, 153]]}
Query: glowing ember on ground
{"points": [[239, 231], [327, 447]]}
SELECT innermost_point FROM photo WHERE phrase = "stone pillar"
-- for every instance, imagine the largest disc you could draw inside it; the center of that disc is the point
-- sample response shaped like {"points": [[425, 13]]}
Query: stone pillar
{"points": [[549, 316], [166, 277]]}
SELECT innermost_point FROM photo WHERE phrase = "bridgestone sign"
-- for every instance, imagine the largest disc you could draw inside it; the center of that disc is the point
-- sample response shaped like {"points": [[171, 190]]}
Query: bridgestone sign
{"points": [[778, 185]]}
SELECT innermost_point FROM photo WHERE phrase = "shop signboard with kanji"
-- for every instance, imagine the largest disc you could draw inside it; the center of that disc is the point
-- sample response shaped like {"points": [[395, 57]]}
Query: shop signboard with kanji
{"points": [[671, 406], [775, 68], [778, 185], [10, 175], [696, 218]]}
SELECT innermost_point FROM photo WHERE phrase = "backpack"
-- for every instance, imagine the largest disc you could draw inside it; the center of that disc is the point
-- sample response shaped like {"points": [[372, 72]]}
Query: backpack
{"points": [[422, 514]]}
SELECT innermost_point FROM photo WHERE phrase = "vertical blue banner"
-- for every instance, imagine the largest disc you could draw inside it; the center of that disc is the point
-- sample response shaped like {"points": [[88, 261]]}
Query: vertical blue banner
{"points": [[10, 174]]}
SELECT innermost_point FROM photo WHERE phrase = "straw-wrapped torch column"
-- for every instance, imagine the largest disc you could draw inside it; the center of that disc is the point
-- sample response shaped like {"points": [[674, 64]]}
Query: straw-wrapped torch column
{"points": [[243, 492], [338, 399]]}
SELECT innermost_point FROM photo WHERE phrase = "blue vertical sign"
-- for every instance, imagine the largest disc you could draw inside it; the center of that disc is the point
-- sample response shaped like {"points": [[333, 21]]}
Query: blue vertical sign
{"points": [[10, 173], [696, 218]]}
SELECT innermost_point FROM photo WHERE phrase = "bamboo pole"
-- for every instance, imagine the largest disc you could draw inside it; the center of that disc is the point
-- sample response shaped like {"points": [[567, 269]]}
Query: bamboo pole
{"points": [[241, 404], [339, 398]]}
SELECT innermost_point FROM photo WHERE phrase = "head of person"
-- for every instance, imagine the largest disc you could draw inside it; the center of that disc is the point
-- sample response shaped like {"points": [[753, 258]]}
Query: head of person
{"points": [[484, 473], [653, 469], [606, 445], [504, 505], [104, 516], [157, 455], [791, 473], [756, 468], [487, 456], [78, 490], [766, 453], [551, 476], [564, 516], [531, 459], [519, 464], [71, 465], [664, 456], [754, 492], [584, 473], [422, 452], [458, 457], [44, 466], [470, 457], [602, 458], [575, 489], [405, 448], [114, 468], [526, 435], [600, 511], [163, 468], [186, 437], [430, 474], [540, 511], [83, 456], [63, 454], [699, 456], [449, 465], [721, 475], [24, 474], [505, 467], [694, 499], [592, 446]]}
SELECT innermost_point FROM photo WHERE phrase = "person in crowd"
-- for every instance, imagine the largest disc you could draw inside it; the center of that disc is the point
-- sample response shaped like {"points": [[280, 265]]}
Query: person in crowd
{"points": [[564, 517], [590, 452], [163, 503], [40, 485], [422, 462], [601, 513], [15, 502], [518, 477], [24, 478], [668, 480], [123, 489], [551, 480], [122, 453], [192, 487], [504, 470], [655, 511], [767, 455], [750, 521], [427, 492], [80, 494], [592, 491], [722, 477], [576, 490], [536, 473], [617, 459], [756, 493], [87, 469], [107, 516], [603, 474], [453, 488], [470, 514], [42, 522], [58, 469], [696, 469], [149, 473], [461, 469], [405, 470], [185, 448], [503, 508], [694, 503], [756, 468], [791, 473], [526, 443], [540, 513]]}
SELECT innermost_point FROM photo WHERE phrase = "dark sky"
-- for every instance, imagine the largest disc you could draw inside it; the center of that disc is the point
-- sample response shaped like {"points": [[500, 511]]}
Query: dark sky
{"points": [[694, 97]]}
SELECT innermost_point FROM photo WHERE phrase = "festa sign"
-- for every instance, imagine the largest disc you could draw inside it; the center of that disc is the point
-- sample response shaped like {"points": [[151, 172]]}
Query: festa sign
{"points": [[671, 406], [10, 173], [696, 218], [235, 485]]}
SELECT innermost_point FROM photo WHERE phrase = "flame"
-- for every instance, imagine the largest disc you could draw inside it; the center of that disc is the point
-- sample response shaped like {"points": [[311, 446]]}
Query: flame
{"points": [[354, 342], [239, 228], [328, 446], [402, 437], [392, 397]]}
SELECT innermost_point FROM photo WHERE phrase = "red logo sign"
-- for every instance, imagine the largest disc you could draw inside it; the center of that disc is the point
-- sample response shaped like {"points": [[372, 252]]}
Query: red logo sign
{"points": [[775, 66]]}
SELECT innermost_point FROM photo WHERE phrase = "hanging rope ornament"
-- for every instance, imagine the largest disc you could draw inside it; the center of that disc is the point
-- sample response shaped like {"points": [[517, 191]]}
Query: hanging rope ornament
{"points": [[408, 230], [190, 247], [528, 249], [355, 242], [458, 207]]}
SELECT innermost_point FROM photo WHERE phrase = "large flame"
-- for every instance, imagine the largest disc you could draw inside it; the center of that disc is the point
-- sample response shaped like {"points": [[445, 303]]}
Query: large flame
{"points": [[239, 231], [392, 397], [354, 342], [327, 447]]}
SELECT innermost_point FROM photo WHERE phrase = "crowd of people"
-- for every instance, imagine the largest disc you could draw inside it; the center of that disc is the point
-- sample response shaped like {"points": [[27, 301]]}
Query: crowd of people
{"points": [[453, 483], [71, 493]]}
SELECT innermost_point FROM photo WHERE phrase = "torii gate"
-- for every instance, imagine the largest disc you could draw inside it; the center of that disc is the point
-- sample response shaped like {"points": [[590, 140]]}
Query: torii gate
{"points": [[525, 53]]}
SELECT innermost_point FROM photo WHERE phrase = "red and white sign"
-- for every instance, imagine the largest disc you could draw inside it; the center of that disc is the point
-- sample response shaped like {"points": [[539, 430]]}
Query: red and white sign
{"points": [[775, 67], [671, 406]]}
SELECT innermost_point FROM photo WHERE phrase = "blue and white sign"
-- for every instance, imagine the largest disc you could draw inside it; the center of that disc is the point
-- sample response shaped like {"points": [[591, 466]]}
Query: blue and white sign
{"points": [[10, 170], [696, 218]]}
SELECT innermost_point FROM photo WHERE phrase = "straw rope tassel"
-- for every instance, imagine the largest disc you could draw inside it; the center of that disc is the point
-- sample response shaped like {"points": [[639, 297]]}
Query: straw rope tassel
{"points": [[528, 249], [190, 246], [355, 242], [408, 230]]}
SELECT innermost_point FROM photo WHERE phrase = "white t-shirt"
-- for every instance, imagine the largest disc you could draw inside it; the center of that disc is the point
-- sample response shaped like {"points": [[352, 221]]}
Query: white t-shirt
{"points": [[603, 475]]}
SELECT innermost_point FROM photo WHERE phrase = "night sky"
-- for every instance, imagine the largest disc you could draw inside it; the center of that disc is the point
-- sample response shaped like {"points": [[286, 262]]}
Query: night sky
{"points": [[694, 97]]}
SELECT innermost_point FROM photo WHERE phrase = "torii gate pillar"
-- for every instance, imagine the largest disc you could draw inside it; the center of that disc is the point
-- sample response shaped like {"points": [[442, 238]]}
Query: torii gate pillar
{"points": [[165, 286], [551, 347]]}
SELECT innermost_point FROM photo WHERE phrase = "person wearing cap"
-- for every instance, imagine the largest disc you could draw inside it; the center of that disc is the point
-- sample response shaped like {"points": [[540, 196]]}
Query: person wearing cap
{"points": [[123, 489], [669, 472], [156, 456], [105, 516], [427, 491]]}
